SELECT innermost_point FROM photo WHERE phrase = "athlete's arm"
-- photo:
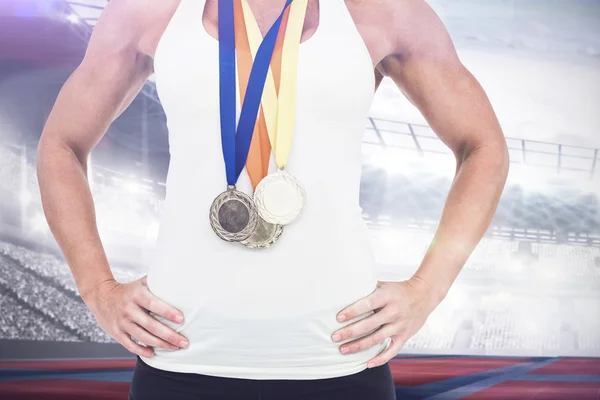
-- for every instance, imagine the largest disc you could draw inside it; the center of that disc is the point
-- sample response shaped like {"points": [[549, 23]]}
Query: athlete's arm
{"points": [[424, 65], [110, 76]]}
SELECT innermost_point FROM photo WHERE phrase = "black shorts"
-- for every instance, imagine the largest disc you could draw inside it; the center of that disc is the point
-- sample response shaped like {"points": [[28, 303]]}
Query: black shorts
{"points": [[149, 383]]}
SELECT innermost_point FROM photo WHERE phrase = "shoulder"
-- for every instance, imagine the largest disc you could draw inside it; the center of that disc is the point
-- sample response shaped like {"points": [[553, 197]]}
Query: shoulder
{"points": [[403, 28], [134, 24]]}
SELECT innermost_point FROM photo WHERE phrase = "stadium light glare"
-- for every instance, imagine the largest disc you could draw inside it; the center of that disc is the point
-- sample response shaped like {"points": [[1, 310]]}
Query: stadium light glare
{"points": [[133, 187], [455, 299], [515, 266], [394, 160], [437, 323], [39, 223], [152, 230], [552, 273], [500, 297], [530, 178], [73, 18]]}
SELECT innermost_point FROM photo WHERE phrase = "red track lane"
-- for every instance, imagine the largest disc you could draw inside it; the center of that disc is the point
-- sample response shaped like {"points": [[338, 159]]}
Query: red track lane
{"points": [[406, 371], [539, 390], [571, 366], [70, 365], [427, 370], [63, 389]]}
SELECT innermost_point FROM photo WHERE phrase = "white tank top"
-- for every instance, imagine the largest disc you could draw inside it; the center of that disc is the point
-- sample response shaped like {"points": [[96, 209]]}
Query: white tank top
{"points": [[269, 313]]}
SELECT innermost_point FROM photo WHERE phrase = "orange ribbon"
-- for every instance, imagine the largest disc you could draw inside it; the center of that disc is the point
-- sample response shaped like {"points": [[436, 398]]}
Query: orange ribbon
{"points": [[257, 163]]}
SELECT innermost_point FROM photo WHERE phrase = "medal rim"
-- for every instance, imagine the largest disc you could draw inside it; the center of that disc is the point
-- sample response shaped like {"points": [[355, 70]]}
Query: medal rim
{"points": [[222, 198], [259, 198], [265, 243]]}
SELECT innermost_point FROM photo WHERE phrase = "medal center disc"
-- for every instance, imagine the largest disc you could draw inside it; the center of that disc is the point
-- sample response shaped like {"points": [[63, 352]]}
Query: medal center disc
{"points": [[234, 216], [280, 198]]}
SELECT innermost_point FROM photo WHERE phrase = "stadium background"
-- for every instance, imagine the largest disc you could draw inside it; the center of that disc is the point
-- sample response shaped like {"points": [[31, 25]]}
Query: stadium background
{"points": [[531, 288]]}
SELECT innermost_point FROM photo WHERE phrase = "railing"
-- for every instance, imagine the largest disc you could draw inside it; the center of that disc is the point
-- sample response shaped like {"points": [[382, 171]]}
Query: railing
{"points": [[534, 153], [88, 11]]}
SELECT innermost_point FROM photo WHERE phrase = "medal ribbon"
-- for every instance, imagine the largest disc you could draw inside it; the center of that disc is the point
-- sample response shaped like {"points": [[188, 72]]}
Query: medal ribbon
{"points": [[257, 163], [236, 142], [279, 113]]}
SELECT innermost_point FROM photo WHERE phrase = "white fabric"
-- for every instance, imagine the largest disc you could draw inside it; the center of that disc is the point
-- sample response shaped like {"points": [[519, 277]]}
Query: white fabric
{"points": [[265, 314]]}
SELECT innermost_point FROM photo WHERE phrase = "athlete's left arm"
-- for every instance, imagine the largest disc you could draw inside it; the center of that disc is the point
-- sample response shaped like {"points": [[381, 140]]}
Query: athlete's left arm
{"points": [[426, 68]]}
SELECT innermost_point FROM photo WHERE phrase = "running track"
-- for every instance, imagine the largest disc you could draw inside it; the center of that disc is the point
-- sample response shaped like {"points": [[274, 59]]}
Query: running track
{"points": [[416, 377]]}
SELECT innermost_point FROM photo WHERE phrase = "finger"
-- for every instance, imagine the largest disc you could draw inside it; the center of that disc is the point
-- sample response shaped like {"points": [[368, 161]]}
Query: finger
{"points": [[146, 337], [369, 303], [150, 302], [155, 327], [385, 356], [132, 346], [362, 327], [371, 340]]}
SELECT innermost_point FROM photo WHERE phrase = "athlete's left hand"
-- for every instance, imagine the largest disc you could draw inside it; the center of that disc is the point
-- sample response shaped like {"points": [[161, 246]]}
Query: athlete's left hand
{"points": [[401, 309]]}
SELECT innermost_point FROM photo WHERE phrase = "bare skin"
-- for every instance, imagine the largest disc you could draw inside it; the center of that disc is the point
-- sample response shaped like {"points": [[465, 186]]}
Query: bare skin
{"points": [[407, 43]]}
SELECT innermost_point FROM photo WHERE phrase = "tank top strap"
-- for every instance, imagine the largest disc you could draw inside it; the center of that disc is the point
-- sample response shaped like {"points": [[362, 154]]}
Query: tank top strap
{"points": [[334, 15], [337, 24], [198, 7]]}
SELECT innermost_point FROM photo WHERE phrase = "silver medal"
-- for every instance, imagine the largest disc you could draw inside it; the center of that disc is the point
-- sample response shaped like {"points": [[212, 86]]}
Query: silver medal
{"points": [[279, 198], [233, 215], [264, 236]]}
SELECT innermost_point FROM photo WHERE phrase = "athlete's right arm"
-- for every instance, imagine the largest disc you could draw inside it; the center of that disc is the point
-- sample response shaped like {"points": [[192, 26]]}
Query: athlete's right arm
{"points": [[111, 74]]}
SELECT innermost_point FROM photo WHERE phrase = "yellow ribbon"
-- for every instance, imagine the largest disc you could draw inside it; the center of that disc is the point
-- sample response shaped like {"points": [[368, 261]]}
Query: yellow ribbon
{"points": [[279, 114]]}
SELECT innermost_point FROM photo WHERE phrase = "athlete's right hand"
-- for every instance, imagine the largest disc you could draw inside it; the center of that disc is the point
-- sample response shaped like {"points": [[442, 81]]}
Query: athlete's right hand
{"points": [[122, 311]]}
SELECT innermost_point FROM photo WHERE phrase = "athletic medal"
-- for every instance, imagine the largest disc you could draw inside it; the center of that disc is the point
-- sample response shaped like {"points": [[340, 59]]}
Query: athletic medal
{"points": [[248, 41], [264, 236], [280, 197], [233, 215]]}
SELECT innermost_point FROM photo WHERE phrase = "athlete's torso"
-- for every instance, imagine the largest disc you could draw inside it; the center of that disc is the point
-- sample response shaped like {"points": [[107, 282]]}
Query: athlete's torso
{"points": [[264, 314]]}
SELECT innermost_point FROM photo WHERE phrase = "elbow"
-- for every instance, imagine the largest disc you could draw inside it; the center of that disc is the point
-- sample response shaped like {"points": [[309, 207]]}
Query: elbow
{"points": [[43, 160], [43, 151], [505, 161], [500, 157], [47, 140], [53, 154], [52, 144], [492, 156], [39, 155]]}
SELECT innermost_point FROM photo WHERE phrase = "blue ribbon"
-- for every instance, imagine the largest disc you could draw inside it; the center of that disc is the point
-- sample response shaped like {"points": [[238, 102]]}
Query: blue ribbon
{"points": [[236, 143]]}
